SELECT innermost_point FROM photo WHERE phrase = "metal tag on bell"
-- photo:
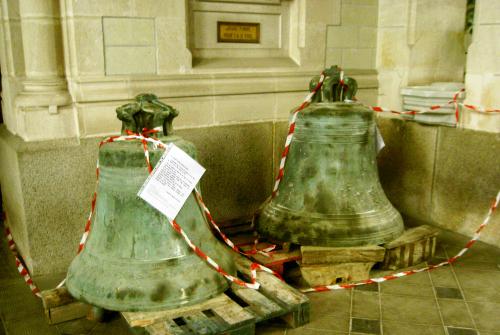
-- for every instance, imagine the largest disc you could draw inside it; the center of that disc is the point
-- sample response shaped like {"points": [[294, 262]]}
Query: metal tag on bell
{"points": [[330, 194], [133, 260]]}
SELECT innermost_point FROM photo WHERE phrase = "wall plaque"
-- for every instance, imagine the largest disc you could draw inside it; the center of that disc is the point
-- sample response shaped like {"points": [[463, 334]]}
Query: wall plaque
{"points": [[238, 32]]}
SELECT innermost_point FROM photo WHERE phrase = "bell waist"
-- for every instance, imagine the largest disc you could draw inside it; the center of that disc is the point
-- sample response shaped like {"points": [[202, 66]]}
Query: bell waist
{"points": [[337, 133]]}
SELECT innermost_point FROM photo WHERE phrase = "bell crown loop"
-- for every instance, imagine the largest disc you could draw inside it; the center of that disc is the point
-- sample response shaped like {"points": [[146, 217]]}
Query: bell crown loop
{"points": [[147, 112], [336, 86]]}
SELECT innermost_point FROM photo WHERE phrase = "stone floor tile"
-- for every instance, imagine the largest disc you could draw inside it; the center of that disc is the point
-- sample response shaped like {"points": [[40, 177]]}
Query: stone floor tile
{"points": [[366, 305], [478, 294], [305, 331], [485, 314], [30, 326], [448, 293], [369, 287], [480, 257], [18, 303], [455, 313], [404, 328], [365, 326], [396, 287], [478, 262], [76, 327], [411, 309], [338, 323], [461, 331], [269, 330], [421, 278], [116, 326], [444, 277], [470, 278], [330, 303]]}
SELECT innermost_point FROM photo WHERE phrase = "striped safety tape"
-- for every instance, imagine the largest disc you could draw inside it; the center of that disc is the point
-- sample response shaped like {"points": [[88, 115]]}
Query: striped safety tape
{"points": [[454, 102], [19, 265]]}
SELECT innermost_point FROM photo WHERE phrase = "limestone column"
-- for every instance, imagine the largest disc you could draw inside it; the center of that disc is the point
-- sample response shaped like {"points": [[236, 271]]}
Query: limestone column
{"points": [[482, 80], [419, 42], [43, 97]]}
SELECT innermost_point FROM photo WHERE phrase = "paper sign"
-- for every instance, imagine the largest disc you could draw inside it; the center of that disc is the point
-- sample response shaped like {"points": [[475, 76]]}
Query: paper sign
{"points": [[379, 140], [171, 182]]}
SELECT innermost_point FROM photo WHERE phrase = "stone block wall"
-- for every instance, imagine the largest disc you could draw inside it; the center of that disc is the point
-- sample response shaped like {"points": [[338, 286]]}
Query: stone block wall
{"points": [[441, 175], [351, 43], [482, 80], [419, 42]]}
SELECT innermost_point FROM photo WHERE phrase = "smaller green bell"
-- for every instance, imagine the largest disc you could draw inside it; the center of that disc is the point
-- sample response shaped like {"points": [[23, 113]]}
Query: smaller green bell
{"points": [[133, 260], [330, 194]]}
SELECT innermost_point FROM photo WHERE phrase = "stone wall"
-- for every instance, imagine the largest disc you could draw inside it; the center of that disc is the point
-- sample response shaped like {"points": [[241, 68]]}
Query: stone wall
{"points": [[482, 80], [419, 42], [441, 175], [351, 43]]}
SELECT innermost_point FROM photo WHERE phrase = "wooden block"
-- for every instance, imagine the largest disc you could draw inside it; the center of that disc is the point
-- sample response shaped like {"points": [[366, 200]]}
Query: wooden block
{"points": [[413, 235], [325, 255], [71, 311], [328, 274], [415, 246], [59, 306], [56, 297]]}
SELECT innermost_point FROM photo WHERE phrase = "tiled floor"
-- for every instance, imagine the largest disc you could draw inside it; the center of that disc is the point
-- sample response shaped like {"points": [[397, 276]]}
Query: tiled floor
{"points": [[463, 299]]}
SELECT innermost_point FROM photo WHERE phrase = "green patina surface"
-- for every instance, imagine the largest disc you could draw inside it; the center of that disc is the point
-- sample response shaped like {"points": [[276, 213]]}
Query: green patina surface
{"points": [[133, 260], [330, 194]]}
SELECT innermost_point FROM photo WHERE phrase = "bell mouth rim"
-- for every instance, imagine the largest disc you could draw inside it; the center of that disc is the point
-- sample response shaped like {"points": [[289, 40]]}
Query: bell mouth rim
{"points": [[143, 306]]}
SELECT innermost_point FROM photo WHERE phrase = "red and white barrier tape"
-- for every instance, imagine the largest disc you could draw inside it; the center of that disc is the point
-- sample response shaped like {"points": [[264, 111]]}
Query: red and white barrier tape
{"points": [[19, 265], [454, 101], [469, 244], [230, 243]]}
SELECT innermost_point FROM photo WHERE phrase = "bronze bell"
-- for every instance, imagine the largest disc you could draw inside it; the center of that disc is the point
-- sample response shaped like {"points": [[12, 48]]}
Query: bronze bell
{"points": [[330, 194], [133, 260]]}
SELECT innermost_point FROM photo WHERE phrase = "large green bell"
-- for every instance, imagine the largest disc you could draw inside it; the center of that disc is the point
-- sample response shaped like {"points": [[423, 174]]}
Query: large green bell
{"points": [[133, 260], [330, 194]]}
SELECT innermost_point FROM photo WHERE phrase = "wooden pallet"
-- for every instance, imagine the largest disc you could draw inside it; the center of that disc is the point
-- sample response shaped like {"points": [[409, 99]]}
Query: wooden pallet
{"points": [[241, 233], [316, 266], [234, 312], [415, 246]]}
